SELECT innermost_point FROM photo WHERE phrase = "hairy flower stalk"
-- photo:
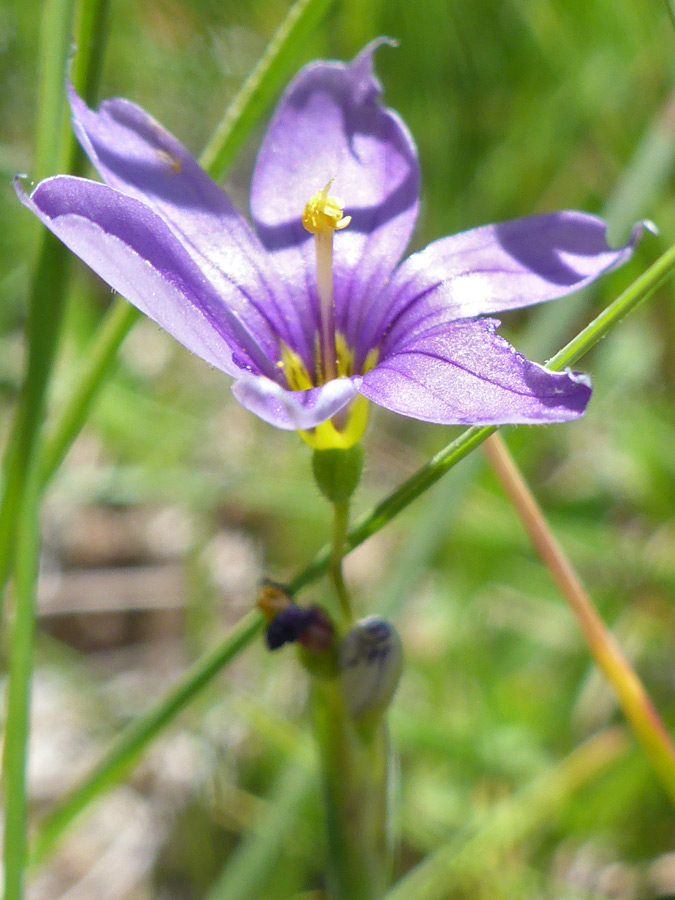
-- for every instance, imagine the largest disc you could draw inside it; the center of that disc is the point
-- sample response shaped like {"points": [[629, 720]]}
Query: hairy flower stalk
{"points": [[337, 473]]}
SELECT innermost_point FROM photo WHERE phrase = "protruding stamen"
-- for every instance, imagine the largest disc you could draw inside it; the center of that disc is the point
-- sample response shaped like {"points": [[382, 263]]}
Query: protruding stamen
{"points": [[324, 213], [322, 216]]}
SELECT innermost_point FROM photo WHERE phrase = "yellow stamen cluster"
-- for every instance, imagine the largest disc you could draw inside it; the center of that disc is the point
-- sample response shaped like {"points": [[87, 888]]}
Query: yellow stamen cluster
{"points": [[345, 429], [323, 213]]}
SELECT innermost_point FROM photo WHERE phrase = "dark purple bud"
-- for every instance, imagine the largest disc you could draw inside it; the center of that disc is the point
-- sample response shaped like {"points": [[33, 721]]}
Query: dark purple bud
{"points": [[318, 634], [286, 627]]}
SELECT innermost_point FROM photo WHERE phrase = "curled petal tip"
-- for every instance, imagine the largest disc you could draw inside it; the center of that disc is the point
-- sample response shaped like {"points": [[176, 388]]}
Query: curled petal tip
{"points": [[368, 51], [638, 229], [363, 65], [636, 233], [580, 378]]}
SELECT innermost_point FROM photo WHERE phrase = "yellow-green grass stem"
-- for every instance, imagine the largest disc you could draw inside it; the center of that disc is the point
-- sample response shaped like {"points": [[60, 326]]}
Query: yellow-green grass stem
{"points": [[630, 692]]}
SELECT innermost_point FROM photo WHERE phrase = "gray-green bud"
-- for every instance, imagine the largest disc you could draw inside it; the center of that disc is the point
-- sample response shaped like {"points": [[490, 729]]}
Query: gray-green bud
{"points": [[370, 661]]}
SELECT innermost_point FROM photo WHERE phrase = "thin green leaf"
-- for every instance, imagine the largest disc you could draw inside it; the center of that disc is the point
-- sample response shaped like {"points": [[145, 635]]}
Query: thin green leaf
{"points": [[17, 723], [56, 150], [641, 289], [21, 499], [55, 38], [260, 87]]}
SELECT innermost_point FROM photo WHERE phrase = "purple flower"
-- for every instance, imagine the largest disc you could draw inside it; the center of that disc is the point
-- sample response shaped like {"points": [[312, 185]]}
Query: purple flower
{"points": [[314, 323]]}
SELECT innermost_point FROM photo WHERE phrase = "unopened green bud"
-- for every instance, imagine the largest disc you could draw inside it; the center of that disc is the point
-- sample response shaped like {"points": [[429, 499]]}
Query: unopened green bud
{"points": [[337, 472]]}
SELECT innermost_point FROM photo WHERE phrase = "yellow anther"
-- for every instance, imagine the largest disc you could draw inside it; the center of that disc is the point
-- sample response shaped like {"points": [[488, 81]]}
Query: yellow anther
{"points": [[297, 377], [324, 213]]}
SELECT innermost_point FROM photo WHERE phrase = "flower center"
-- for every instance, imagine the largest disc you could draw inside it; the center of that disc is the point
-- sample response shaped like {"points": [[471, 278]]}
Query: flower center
{"points": [[322, 216]]}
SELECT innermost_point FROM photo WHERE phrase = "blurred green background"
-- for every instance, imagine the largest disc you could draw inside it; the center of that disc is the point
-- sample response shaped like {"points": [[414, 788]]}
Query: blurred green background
{"points": [[175, 501]]}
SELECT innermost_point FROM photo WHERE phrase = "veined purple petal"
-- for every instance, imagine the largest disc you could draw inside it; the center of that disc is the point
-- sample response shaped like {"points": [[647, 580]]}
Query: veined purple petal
{"points": [[492, 269], [135, 155], [134, 251], [330, 125], [163, 234], [294, 410], [464, 373]]}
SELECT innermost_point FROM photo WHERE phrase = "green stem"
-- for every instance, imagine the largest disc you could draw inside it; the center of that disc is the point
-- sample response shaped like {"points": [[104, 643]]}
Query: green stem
{"points": [[639, 291], [340, 527], [55, 40], [381, 514], [18, 695], [56, 150], [354, 769], [426, 476], [50, 279]]}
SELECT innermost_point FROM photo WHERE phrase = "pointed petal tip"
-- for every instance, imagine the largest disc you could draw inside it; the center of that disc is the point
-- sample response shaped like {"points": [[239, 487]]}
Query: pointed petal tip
{"points": [[366, 54], [636, 233], [622, 251], [577, 389], [20, 182], [363, 66], [614, 238]]}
